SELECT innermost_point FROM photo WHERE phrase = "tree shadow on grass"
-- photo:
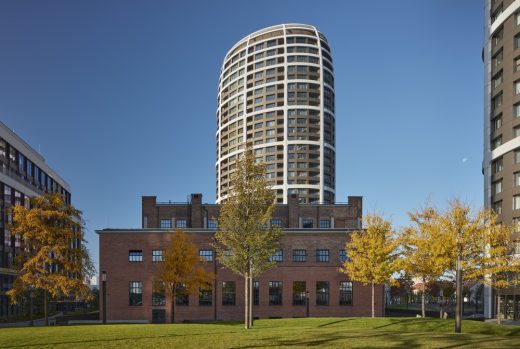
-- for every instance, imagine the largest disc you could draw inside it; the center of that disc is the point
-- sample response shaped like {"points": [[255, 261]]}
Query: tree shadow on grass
{"points": [[336, 339], [406, 323], [388, 339], [334, 322]]}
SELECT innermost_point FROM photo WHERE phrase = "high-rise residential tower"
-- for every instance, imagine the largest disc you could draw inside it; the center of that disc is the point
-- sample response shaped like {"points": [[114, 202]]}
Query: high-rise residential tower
{"points": [[501, 165], [276, 92]]}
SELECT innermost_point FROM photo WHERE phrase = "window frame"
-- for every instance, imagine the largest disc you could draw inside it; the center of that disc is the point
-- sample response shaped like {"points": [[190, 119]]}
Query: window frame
{"points": [[135, 299], [135, 256], [322, 297], [299, 255], [157, 255], [346, 294], [275, 293], [322, 255], [206, 255]]}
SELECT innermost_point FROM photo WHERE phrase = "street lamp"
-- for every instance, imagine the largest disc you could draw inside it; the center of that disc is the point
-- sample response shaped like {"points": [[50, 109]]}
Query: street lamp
{"points": [[104, 285]]}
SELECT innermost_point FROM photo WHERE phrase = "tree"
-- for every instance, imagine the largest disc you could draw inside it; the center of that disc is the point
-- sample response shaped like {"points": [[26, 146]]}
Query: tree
{"points": [[53, 256], [423, 250], [478, 248], [372, 254], [245, 240], [497, 266], [182, 268]]}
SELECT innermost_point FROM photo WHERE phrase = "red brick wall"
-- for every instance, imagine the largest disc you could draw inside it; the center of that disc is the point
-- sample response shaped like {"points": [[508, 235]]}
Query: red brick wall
{"points": [[114, 247]]}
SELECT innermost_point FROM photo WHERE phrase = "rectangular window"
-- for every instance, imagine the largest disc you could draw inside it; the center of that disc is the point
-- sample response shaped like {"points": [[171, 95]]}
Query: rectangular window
{"points": [[276, 222], [497, 207], [135, 255], [228, 293], [275, 292], [517, 87], [256, 292], [516, 131], [517, 64], [166, 224], [343, 255], [516, 224], [299, 256], [158, 294], [307, 222], [157, 256], [497, 80], [517, 156], [497, 142], [516, 202], [516, 177], [206, 296], [345, 293], [180, 223], [206, 255], [498, 58], [212, 224], [497, 123], [497, 187], [299, 293], [516, 110], [322, 255], [135, 293], [517, 41], [277, 256], [322, 293], [182, 297], [496, 102], [325, 223]]}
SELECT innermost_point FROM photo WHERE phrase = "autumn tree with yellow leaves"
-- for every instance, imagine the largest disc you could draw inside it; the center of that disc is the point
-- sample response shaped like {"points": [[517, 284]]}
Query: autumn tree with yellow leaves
{"points": [[53, 257], [245, 240], [423, 251], [478, 247], [372, 254], [182, 267]]}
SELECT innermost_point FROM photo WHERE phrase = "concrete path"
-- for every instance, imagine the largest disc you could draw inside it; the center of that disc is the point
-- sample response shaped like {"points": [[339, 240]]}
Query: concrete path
{"points": [[504, 322]]}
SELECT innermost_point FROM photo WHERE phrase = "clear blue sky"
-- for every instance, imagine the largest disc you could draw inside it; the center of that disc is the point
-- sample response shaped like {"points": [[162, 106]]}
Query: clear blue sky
{"points": [[120, 96]]}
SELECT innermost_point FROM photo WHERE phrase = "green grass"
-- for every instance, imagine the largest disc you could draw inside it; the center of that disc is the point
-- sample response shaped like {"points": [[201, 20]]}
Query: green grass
{"points": [[295, 333]]}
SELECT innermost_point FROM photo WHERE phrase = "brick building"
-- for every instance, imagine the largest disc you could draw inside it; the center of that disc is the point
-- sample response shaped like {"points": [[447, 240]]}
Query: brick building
{"points": [[311, 250]]}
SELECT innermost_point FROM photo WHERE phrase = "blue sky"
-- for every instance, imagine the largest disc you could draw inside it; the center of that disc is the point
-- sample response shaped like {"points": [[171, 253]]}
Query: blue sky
{"points": [[120, 96]]}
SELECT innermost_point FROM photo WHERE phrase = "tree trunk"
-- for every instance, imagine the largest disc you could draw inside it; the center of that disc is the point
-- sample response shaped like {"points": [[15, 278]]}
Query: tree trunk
{"points": [[246, 303], [45, 308], [31, 306], [423, 299], [251, 298], [499, 311], [172, 307], [373, 302], [458, 311]]}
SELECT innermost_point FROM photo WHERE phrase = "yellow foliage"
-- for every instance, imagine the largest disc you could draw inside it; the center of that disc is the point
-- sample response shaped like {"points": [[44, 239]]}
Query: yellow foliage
{"points": [[53, 256]]}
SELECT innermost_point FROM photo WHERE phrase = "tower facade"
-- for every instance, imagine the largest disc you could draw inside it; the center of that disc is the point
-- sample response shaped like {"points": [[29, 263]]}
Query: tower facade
{"points": [[276, 92], [501, 165]]}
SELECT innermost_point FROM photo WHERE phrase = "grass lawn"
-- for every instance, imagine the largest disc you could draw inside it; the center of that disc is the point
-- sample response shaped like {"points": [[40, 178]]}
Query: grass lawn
{"points": [[296, 333]]}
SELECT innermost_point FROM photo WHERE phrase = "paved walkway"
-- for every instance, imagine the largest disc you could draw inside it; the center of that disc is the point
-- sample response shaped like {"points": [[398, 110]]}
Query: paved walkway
{"points": [[504, 322]]}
